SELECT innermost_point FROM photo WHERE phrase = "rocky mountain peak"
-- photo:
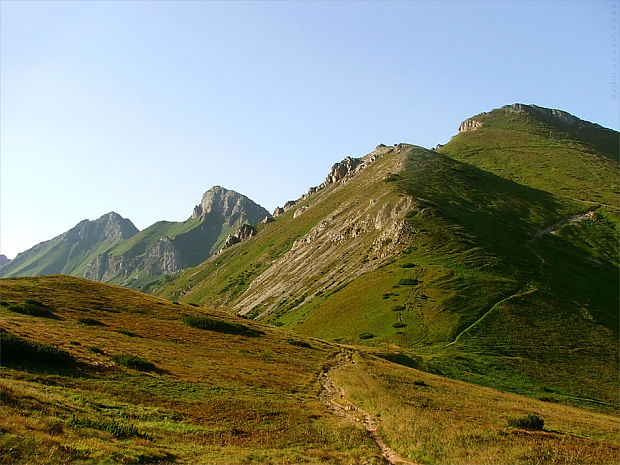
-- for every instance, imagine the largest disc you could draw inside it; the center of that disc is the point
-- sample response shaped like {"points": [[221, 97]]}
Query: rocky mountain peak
{"points": [[108, 226], [235, 207]]}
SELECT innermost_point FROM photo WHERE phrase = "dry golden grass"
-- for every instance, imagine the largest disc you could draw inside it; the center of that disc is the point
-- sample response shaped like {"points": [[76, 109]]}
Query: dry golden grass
{"points": [[225, 398], [216, 398], [431, 419]]}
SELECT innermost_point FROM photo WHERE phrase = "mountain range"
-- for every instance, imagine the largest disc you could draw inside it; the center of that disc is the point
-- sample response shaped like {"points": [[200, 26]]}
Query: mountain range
{"points": [[491, 259], [112, 249]]}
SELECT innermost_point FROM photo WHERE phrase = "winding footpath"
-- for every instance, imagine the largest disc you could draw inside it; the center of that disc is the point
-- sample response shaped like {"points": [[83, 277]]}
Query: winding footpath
{"points": [[332, 397]]}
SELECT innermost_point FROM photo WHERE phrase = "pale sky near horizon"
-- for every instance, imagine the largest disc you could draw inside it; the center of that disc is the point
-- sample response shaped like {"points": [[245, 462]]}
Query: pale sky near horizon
{"points": [[139, 107]]}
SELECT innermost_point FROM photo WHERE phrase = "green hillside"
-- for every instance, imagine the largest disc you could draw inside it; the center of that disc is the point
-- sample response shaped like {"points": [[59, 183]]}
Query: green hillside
{"points": [[508, 280], [94, 373], [546, 149]]}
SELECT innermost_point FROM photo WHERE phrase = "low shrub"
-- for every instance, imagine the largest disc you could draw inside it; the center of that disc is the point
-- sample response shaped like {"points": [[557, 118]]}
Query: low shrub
{"points": [[14, 349], [95, 350], [33, 308], [118, 430], [391, 177], [530, 422], [90, 322], [398, 308], [366, 336], [127, 333], [295, 342], [408, 282], [399, 325], [131, 361], [211, 324], [408, 265]]}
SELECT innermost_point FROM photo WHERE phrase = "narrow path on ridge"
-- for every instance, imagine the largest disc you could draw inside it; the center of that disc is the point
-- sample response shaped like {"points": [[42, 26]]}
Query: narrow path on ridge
{"points": [[332, 397]]}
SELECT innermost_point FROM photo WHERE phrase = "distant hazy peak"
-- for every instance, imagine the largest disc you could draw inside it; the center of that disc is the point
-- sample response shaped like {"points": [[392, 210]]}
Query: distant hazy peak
{"points": [[108, 226]]}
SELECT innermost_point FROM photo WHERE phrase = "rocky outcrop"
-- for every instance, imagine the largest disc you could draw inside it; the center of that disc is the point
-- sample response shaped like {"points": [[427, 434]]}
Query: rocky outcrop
{"points": [[244, 232], [346, 167], [340, 172], [470, 125], [162, 258], [4, 260], [300, 211]]}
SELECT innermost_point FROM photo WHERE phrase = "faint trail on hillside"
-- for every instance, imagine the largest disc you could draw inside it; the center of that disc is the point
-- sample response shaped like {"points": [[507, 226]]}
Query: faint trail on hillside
{"points": [[553, 229], [332, 396], [513, 296]]}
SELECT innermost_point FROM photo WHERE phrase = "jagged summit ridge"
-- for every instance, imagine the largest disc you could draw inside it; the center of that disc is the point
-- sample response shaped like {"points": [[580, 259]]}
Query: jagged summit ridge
{"points": [[342, 172]]}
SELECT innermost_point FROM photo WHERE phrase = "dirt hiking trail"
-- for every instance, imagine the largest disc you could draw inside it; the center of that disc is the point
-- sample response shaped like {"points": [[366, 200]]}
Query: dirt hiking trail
{"points": [[332, 396]]}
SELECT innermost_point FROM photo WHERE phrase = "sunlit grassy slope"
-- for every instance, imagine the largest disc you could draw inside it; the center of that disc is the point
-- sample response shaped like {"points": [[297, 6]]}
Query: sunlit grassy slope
{"points": [[532, 147], [496, 264], [435, 420], [211, 397], [108, 375]]}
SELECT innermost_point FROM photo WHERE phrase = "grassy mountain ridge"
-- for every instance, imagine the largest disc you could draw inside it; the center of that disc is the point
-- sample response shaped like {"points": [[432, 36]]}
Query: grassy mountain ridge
{"points": [[437, 254], [574, 159], [130, 378]]}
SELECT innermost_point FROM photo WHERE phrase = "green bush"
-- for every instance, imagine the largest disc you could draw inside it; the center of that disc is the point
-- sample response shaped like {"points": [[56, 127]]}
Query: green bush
{"points": [[119, 431], [408, 282], [530, 422], [398, 308], [408, 265], [131, 361], [95, 350], [366, 336], [211, 324], [399, 325], [14, 349]]}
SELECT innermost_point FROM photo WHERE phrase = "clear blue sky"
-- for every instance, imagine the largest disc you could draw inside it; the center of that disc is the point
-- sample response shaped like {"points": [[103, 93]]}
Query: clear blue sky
{"points": [[139, 107]]}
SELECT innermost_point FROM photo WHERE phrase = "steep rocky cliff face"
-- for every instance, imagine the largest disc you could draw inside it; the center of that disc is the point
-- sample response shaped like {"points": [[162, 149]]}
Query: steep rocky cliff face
{"points": [[233, 208], [71, 252], [169, 247]]}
